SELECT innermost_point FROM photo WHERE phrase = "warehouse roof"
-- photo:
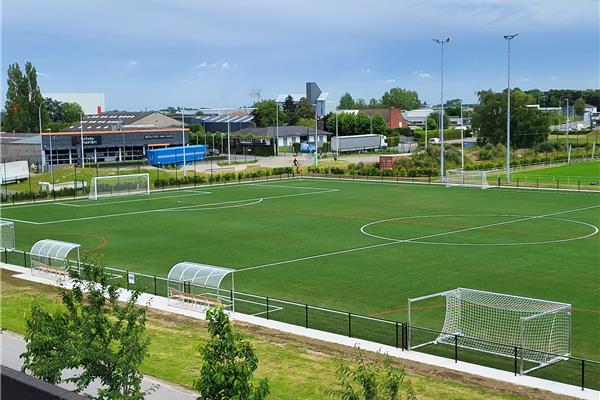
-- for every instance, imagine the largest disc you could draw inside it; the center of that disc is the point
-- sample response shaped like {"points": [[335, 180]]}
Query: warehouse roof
{"points": [[225, 118], [118, 120]]}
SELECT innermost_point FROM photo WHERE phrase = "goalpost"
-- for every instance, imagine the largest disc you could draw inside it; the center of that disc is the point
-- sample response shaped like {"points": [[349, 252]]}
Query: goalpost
{"points": [[460, 177], [7, 235], [119, 185], [498, 324]]}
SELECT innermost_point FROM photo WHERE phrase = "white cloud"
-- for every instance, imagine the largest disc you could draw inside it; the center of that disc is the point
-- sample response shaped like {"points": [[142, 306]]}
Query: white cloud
{"points": [[133, 62], [38, 73], [391, 80], [216, 64]]}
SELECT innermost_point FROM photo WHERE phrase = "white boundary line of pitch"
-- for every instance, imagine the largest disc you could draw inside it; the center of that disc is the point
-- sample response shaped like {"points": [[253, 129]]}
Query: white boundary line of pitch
{"points": [[196, 207], [410, 240], [162, 303]]}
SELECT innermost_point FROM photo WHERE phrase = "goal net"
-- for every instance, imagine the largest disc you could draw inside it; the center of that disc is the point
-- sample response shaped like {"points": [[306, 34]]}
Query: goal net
{"points": [[497, 323], [460, 177], [7, 235], [119, 185]]}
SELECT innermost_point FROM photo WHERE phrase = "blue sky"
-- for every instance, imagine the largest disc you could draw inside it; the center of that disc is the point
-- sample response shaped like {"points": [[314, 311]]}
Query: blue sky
{"points": [[221, 53]]}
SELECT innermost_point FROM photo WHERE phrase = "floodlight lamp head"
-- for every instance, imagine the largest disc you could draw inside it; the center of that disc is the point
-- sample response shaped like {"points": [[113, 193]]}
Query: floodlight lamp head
{"points": [[510, 37]]}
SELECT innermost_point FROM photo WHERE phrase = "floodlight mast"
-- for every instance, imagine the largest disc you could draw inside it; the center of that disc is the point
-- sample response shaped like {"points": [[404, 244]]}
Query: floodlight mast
{"points": [[508, 38], [442, 42]]}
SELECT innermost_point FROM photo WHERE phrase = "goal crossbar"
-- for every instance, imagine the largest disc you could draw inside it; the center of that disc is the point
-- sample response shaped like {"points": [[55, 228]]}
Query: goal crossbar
{"points": [[500, 324], [467, 178], [119, 185]]}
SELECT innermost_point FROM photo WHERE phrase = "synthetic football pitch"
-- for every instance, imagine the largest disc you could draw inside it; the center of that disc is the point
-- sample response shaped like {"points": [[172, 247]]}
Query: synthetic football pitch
{"points": [[363, 247]]}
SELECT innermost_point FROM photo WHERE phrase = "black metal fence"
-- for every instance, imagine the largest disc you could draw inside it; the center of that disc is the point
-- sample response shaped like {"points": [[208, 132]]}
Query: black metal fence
{"points": [[571, 370]]}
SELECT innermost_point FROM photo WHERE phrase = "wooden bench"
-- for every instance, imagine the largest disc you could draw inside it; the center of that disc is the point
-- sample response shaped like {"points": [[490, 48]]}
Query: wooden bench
{"points": [[42, 267], [192, 298]]}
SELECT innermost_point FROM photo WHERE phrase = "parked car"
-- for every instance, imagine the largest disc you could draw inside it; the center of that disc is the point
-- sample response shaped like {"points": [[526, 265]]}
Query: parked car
{"points": [[435, 140], [212, 152]]}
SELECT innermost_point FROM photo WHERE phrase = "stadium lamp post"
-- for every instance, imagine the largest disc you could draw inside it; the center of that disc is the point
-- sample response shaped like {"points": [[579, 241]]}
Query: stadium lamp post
{"points": [[337, 137], [81, 138], [276, 128], [316, 135], [462, 138], [228, 140], [508, 38], [183, 140], [568, 129], [42, 157], [442, 42]]}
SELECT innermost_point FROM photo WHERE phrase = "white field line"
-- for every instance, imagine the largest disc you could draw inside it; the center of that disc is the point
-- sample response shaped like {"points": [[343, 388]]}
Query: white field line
{"points": [[289, 186], [108, 203], [197, 206], [410, 240]]}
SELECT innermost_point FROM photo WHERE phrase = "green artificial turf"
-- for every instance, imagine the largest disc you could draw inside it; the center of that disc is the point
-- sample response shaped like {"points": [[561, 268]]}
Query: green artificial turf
{"points": [[304, 237], [580, 170]]}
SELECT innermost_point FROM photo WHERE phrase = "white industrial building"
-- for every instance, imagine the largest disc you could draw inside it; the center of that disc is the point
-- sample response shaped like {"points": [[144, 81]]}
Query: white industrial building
{"points": [[91, 103]]}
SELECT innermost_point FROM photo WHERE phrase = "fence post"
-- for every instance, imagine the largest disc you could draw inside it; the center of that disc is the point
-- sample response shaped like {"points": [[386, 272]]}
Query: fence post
{"points": [[582, 374], [306, 315], [557, 184], [349, 324], [127, 279], [499, 181], [6, 256], [578, 185], [267, 308], [455, 349], [397, 338], [517, 182], [516, 360], [155, 285], [537, 183], [24, 259]]}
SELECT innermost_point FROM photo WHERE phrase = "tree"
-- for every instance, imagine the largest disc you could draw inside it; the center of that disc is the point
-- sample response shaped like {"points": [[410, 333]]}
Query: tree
{"points": [[361, 104], [436, 117], [529, 126], [370, 381], [374, 103], [432, 123], [347, 102], [17, 116], [71, 112], [346, 123], [401, 98], [304, 109], [362, 124], [379, 124], [265, 113], [579, 106], [228, 363], [309, 123], [289, 108], [94, 333]]}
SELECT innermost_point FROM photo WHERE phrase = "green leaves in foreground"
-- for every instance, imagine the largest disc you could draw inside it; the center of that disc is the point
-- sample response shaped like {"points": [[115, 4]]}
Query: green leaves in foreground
{"points": [[228, 363], [369, 381], [92, 332]]}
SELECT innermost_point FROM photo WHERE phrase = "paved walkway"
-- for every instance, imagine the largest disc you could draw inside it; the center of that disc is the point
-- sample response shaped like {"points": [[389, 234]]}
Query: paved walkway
{"points": [[162, 303]]}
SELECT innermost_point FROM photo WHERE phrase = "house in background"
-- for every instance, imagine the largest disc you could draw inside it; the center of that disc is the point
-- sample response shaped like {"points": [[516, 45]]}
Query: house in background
{"points": [[313, 94], [288, 135], [392, 115], [418, 117]]}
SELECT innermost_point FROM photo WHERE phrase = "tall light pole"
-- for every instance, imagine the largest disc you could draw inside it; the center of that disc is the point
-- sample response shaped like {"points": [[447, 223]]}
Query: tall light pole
{"points": [[81, 138], [442, 42], [337, 137], [42, 153], [228, 139], [183, 140], [462, 138], [568, 128], [316, 135], [508, 38], [276, 129]]}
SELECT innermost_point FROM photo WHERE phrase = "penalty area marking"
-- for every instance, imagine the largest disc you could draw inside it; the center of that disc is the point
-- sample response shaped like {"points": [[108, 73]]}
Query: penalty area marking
{"points": [[419, 240], [201, 207]]}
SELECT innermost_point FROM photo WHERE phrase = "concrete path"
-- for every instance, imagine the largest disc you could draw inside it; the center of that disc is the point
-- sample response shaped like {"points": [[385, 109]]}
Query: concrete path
{"points": [[12, 346]]}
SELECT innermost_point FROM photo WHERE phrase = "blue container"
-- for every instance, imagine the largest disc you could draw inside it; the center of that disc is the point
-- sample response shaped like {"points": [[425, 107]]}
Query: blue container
{"points": [[174, 155]]}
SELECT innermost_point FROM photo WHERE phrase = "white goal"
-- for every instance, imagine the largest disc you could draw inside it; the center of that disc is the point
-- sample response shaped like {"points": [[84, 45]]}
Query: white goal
{"points": [[7, 235], [460, 177], [119, 185], [533, 330]]}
